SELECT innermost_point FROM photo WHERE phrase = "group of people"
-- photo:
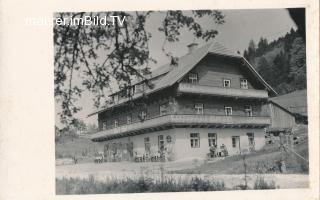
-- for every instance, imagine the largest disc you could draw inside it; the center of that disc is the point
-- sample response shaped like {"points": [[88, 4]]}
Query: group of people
{"points": [[215, 152]]}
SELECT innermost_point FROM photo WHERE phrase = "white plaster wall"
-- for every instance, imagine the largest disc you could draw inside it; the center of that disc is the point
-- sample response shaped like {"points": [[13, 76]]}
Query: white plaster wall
{"points": [[138, 140], [184, 150], [181, 141]]}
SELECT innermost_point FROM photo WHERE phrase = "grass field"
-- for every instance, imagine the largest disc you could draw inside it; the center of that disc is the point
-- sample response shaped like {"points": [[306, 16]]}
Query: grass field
{"points": [[263, 161]]}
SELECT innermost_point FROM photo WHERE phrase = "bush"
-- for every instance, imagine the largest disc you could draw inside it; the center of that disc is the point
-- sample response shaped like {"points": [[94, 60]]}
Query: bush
{"points": [[129, 185], [261, 184]]}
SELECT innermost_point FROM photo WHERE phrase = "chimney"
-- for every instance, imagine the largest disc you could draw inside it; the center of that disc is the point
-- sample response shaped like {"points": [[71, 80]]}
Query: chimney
{"points": [[192, 47]]}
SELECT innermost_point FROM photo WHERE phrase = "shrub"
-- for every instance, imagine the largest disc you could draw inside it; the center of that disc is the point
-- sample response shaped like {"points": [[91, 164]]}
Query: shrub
{"points": [[129, 185], [261, 184]]}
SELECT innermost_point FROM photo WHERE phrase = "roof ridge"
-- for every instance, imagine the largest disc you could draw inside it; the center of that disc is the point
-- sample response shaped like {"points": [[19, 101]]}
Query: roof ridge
{"points": [[218, 48]]}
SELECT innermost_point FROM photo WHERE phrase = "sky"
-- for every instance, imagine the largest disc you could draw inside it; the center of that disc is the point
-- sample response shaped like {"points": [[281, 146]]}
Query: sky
{"points": [[239, 28]]}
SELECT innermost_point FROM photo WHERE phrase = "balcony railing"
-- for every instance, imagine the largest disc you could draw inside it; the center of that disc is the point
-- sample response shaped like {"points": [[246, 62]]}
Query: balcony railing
{"points": [[220, 91], [182, 120]]}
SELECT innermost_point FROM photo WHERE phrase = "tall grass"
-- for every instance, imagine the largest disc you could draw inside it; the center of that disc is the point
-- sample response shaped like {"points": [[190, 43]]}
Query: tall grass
{"points": [[261, 184], [129, 185]]}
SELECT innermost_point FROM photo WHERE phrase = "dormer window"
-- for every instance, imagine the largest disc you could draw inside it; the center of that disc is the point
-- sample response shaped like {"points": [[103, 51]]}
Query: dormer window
{"points": [[243, 83], [193, 78], [226, 83]]}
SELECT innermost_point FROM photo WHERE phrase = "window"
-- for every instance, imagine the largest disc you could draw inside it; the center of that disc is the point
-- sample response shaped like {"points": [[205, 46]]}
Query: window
{"points": [[226, 82], [169, 139], [116, 123], [212, 139], [129, 119], [164, 108], [143, 114], [193, 78], [199, 108], [235, 141], [104, 125], [251, 139], [147, 145], [228, 110], [243, 83], [195, 140], [160, 142], [248, 110]]}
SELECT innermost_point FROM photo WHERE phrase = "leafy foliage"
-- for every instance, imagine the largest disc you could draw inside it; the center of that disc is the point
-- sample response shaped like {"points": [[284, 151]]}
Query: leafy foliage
{"points": [[102, 55], [138, 185], [282, 63]]}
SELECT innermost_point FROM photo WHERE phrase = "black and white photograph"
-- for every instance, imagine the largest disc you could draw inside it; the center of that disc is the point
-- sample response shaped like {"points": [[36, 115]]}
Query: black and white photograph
{"points": [[180, 101]]}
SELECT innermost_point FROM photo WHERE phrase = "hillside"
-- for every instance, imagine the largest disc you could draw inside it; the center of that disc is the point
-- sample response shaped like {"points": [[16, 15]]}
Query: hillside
{"points": [[81, 148], [282, 63]]}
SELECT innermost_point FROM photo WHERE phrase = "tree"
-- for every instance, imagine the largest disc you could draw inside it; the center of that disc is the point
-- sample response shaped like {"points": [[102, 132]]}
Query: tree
{"points": [[262, 46], [251, 53], [265, 69], [282, 62], [298, 63], [125, 49]]}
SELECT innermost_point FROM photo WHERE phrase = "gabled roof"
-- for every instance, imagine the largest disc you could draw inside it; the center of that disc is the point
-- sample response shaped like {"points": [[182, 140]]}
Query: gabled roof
{"points": [[186, 63]]}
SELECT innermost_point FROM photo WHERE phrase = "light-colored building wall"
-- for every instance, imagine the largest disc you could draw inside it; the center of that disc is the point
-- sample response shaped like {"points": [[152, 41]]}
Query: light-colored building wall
{"points": [[180, 147], [224, 136]]}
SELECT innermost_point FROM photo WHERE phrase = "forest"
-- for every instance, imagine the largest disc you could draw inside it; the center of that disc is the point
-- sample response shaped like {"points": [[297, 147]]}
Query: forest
{"points": [[282, 62]]}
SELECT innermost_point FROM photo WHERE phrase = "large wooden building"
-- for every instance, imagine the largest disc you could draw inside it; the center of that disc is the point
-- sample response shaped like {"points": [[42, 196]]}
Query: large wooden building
{"points": [[211, 97]]}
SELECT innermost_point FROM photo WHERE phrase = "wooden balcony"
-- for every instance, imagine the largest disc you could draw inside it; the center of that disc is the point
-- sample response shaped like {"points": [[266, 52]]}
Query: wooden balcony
{"points": [[220, 91], [181, 121]]}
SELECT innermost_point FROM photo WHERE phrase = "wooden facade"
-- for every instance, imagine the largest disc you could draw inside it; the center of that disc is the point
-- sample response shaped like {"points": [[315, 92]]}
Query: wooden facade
{"points": [[280, 117]]}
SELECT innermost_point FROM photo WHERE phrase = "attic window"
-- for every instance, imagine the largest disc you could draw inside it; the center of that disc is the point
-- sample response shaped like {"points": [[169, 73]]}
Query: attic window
{"points": [[226, 82], [193, 78], [243, 83]]}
